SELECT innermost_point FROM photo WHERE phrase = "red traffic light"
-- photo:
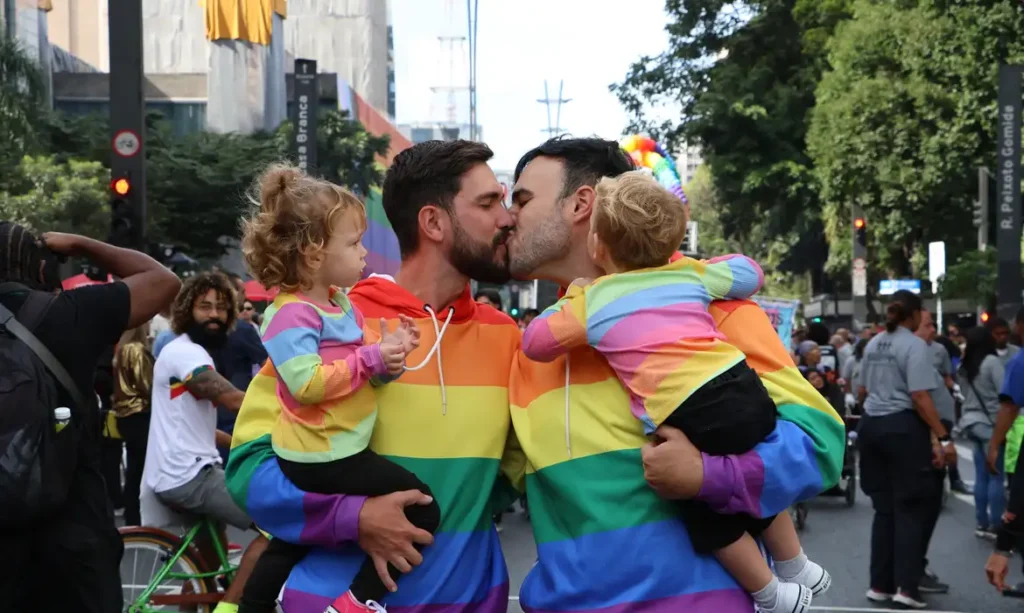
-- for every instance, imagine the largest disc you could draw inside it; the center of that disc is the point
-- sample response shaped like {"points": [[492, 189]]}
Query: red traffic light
{"points": [[985, 317], [121, 186], [859, 223]]}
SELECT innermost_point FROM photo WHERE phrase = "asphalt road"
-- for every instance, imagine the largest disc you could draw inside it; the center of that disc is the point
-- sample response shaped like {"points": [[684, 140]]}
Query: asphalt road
{"points": [[837, 537]]}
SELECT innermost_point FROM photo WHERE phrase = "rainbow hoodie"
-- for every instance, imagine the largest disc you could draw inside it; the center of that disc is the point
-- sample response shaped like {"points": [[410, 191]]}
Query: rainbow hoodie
{"points": [[605, 542], [448, 423]]}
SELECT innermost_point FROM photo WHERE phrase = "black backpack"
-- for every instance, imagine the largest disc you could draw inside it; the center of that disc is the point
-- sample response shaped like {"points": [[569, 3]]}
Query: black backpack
{"points": [[37, 463]]}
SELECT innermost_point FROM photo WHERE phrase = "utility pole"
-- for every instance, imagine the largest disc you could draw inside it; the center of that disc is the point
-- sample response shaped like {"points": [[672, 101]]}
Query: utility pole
{"points": [[859, 272], [981, 214], [127, 125], [554, 129], [473, 14]]}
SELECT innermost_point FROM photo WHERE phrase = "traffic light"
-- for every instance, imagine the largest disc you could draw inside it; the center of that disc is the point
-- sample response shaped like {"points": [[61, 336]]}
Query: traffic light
{"points": [[984, 317], [860, 231], [125, 229]]}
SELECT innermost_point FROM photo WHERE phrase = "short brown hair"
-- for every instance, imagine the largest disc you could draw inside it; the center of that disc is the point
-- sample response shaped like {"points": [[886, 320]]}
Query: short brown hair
{"points": [[293, 216], [426, 173], [640, 222], [195, 288]]}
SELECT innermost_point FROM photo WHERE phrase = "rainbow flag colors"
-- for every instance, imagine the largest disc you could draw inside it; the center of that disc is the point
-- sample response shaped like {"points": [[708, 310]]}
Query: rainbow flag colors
{"points": [[452, 437], [380, 241], [606, 543]]}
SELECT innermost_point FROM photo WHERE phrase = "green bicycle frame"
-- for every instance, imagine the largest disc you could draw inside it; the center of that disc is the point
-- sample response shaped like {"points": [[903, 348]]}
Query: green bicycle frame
{"points": [[140, 604]]}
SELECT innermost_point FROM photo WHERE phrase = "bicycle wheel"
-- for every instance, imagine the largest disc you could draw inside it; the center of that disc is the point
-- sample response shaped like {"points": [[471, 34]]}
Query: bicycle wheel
{"points": [[146, 551]]}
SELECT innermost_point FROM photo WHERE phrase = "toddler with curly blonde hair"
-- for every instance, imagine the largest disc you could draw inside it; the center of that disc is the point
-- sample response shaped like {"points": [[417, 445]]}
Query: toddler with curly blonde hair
{"points": [[305, 236], [649, 317]]}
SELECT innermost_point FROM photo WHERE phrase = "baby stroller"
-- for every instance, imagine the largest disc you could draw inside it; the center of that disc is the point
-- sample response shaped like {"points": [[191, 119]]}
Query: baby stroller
{"points": [[847, 486]]}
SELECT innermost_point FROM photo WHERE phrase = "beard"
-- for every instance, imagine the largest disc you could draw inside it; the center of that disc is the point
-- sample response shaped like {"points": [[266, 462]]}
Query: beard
{"points": [[528, 251], [478, 260], [209, 334]]}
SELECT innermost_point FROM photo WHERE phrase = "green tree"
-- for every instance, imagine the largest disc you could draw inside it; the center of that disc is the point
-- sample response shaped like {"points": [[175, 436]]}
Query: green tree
{"points": [[747, 110], [903, 119], [347, 152], [22, 107], [47, 195]]}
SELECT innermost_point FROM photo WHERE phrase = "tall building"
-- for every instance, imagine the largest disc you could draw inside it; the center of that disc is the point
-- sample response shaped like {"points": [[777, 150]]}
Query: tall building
{"points": [[688, 162], [424, 131], [211, 65]]}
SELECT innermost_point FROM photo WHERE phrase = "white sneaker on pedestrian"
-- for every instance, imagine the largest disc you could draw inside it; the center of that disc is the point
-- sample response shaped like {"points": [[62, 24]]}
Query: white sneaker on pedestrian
{"points": [[909, 601], [877, 596]]}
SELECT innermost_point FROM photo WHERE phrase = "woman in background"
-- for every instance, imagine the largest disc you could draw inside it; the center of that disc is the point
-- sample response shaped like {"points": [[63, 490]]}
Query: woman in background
{"points": [[133, 384], [981, 379]]}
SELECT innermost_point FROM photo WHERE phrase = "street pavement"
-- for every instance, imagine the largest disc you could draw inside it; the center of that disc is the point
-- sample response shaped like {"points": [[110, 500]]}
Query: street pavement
{"points": [[838, 538]]}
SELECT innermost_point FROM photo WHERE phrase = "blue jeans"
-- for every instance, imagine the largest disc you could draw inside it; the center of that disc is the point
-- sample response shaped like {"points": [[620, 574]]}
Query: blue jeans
{"points": [[989, 495]]}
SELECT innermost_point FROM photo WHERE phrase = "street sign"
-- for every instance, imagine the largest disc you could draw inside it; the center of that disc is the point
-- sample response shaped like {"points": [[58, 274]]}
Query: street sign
{"points": [[860, 282], [888, 287], [126, 143], [304, 119]]}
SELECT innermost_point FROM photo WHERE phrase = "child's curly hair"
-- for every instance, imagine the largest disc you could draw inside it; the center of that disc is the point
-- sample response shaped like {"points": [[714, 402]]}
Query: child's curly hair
{"points": [[293, 216], [640, 222]]}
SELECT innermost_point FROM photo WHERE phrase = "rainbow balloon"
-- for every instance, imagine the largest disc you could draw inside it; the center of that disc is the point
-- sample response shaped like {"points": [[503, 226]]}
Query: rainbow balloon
{"points": [[648, 154]]}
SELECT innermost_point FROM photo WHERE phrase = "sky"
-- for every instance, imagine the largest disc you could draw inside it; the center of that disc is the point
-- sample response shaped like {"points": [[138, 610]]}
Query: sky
{"points": [[588, 44]]}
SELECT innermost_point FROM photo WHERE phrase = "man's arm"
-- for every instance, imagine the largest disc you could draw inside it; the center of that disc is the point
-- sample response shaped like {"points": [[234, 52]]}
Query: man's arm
{"points": [[559, 329], [732, 277], [803, 456], [1011, 397], [292, 340], [204, 382], [152, 286]]}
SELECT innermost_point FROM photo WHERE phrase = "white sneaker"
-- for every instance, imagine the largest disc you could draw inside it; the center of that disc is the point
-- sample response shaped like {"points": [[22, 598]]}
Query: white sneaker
{"points": [[813, 577], [876, 596], [791, 598], [909, 601]]}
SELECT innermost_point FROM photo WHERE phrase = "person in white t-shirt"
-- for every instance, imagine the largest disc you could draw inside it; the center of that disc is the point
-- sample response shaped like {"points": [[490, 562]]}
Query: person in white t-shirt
{"points": [[183, 466]]}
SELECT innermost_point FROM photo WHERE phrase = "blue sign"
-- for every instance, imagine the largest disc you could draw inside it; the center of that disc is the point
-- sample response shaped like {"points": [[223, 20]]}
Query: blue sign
{"points": [[889, 287]]}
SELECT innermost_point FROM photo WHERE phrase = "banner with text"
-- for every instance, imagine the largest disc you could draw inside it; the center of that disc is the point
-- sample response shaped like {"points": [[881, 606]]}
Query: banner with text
{"points": [[782, 313]]}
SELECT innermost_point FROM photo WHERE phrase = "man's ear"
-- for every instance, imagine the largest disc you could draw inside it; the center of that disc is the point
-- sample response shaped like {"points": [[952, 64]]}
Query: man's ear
{"points": [[583, 204], [433, 223]]}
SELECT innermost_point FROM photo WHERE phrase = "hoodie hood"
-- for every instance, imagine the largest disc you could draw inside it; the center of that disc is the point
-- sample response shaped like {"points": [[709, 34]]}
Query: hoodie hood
{"points": [[382, 291]]}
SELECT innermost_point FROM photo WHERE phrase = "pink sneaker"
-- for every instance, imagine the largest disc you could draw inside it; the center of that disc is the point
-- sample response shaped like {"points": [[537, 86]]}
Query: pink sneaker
{"points": [[347, 603]]}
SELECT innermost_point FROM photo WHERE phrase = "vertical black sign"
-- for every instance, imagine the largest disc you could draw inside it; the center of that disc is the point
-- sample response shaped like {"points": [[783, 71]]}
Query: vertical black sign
{"points": [[127, 126], [306, 101], [1007, 196]]}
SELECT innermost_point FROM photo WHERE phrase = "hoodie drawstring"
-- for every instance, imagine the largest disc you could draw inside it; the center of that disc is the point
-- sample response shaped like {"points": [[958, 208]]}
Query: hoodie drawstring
{"points": [[568, 444], [439, 332]]}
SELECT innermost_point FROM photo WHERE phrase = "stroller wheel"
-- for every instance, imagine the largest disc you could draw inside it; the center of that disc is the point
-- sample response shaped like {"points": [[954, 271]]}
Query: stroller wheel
{"points": [[851, 490]]}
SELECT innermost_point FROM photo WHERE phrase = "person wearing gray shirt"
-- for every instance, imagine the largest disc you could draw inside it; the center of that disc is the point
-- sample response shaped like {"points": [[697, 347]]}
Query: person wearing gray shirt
{"points": [[897, 454], [981, 380], [1005, 350]]}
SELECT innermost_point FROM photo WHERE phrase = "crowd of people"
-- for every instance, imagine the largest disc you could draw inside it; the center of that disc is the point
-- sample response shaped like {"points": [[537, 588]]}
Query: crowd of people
{"points": [[371, 426]]}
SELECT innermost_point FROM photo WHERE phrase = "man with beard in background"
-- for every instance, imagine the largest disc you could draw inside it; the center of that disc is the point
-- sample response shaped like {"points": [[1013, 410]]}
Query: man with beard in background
{"points": [[183, 466]]}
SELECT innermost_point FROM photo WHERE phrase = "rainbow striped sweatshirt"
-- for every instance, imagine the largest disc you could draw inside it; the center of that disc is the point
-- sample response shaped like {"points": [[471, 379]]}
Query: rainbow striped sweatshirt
{"points": [[605, 542], [324, 367], [653, 328], [448, 423]]}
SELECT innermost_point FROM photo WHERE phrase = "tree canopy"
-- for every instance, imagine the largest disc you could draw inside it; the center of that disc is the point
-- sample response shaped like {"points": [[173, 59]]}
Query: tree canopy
{"points": [[803, 107]]}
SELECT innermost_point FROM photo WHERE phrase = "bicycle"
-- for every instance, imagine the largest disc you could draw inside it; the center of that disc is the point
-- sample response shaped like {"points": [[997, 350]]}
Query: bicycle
{"points": [[179, 560]]}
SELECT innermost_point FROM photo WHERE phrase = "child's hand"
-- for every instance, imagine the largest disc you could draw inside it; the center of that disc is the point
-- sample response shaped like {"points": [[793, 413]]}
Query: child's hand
{"points": [[412, 339], [394, 346]]}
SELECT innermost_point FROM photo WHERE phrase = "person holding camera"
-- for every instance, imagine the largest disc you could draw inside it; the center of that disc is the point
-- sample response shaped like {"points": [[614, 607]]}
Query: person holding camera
{"points": [[55, 518]]}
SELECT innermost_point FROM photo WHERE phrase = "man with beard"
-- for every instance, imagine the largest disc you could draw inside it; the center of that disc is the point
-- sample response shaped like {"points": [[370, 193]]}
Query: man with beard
{"points": [[446, 419], [183, 466], [595, 479]]}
